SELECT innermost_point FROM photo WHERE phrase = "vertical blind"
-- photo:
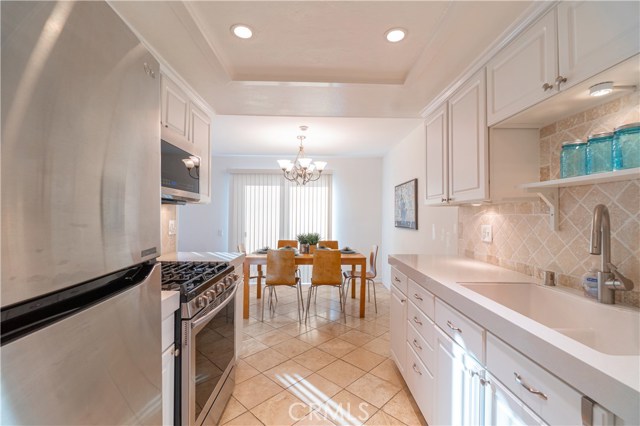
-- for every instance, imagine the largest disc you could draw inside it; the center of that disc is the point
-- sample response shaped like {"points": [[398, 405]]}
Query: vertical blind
{"points": [[266, 208]]}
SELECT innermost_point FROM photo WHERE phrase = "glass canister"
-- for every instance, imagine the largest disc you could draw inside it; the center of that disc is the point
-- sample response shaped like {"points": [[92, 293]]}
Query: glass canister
{"points": [[599, 153], [573, 158], [626, 146]]}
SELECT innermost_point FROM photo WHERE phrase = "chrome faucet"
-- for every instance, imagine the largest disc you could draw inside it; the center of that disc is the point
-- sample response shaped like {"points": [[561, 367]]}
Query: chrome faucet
{"points": [[609, 278]]}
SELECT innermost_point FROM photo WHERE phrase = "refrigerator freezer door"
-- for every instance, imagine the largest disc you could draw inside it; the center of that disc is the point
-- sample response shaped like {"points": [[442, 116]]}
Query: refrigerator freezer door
{"points": [[101, 366], [80, 147]]}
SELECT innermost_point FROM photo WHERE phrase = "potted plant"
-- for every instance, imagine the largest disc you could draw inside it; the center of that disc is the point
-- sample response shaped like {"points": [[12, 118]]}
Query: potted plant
{"points": [[308, 242]]}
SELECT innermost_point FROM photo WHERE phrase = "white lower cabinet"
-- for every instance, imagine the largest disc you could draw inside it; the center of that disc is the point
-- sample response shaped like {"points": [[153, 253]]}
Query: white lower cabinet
{"points": [[458, 389], [398, 321], [168, 381], [501, 407], [421, 383]]}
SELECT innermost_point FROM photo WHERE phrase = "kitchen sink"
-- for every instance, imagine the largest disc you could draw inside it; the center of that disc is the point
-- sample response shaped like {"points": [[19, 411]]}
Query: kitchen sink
{"points": [[608, 329]]}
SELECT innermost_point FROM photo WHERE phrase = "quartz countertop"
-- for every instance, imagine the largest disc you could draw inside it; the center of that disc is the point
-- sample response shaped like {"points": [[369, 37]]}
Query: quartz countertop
{"points": [[611, 380], [170, 302]]}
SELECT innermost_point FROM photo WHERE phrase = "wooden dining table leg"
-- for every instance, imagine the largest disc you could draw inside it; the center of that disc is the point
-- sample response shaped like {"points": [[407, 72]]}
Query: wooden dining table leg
{"points": [[363, 286], [259, 282], [245, 270], [354, 283]]}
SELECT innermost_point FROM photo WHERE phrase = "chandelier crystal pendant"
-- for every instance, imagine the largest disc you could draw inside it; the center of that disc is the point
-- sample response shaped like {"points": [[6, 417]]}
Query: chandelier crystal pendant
{"points": [[303, 169]]}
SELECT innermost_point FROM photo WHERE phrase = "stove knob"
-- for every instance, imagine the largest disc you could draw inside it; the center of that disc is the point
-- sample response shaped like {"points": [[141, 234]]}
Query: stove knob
{"points": [[201, 302], [234, 277], [210, 295], [220, 288], [227, 281]]}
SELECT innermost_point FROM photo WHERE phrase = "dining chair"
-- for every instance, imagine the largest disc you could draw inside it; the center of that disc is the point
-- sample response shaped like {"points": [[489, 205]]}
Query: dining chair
{"points": [[290, 243], [260, 272], [369, 276], [332, 244], [326, 271], [281, 271]]}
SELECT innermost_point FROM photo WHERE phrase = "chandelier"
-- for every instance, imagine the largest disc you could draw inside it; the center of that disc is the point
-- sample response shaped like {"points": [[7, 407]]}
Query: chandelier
{"points": [[303, 169]]}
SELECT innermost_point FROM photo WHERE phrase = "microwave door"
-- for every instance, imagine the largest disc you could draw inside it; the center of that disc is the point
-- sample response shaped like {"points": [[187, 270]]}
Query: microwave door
{"points": [[180, 173]]}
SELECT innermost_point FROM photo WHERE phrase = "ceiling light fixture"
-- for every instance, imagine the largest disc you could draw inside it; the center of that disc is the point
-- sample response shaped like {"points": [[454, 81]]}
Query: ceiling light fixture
{"points": [[241, 31], [302, 169], [395, 35], [601, 89]]}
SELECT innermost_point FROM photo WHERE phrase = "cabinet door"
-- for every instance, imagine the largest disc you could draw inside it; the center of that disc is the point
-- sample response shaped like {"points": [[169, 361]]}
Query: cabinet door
{"points": [[168, 380], [593, 36], [458, 389], [517, 74], [200, 135], [468, 142], [436, 135], [501, 407], [398, 323], [175, 105]]}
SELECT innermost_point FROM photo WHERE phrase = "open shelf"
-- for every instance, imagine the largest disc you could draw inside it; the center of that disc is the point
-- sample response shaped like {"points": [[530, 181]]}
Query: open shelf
{"points": [[615, 176], [548, 190]]}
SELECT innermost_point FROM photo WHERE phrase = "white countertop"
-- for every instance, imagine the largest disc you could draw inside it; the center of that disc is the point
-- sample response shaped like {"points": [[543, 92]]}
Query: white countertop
{"points": [[170, 302], [611, 380]]}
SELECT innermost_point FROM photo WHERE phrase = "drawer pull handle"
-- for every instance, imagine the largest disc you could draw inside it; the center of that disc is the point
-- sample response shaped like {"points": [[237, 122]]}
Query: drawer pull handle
{"points": [[453, 327], [529, 388], [415, 368], [484, 382], [396, 279], [417, 321], [403, 300], [416, 344], [417, 296]]}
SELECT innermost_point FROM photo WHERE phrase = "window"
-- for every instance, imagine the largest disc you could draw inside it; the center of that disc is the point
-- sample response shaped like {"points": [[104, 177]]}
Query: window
{"points": [[266, 207]]}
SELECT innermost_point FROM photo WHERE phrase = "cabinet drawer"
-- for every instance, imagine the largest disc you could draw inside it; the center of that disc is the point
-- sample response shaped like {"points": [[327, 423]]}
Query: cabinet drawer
{"points": [[422, 324], [399, 280], [423, 346], [421, 383], [502, 407], [461, 329], [545, 394], [422, 298], [167, 332]]}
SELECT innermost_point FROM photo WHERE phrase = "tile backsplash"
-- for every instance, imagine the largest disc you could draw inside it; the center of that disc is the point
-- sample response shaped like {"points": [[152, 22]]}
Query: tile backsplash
{"points": [[168, 212], [522, 238]]}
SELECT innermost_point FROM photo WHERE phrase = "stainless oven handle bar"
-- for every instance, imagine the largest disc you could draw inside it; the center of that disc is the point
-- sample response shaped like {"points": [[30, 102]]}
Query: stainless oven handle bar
{"points": [[211, 314]]}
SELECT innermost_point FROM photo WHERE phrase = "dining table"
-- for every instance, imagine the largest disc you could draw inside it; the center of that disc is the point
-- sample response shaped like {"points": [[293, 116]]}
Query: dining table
{"points": [[354, 260]]}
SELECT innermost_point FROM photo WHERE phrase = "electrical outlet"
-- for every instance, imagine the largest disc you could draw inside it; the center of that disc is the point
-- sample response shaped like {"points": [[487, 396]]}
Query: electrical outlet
{"points": [[172, 227], [486, 233]]}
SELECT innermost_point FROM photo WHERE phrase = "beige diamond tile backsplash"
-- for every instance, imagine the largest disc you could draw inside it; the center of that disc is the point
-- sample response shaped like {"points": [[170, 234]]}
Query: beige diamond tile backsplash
{"points": [[522, 238]]}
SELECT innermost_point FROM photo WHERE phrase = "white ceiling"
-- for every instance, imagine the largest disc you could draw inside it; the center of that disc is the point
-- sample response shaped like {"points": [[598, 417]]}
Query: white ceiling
{"points": [[317, 59]]}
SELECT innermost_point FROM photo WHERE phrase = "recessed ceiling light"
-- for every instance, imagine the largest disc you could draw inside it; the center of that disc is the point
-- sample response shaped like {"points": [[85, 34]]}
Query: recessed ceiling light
{"points": [[241, 31], [601, 89], [395, 35]]}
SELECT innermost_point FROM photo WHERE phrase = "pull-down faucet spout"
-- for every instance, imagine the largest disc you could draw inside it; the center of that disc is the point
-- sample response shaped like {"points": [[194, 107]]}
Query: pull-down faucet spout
{"points": [[609, 278]]}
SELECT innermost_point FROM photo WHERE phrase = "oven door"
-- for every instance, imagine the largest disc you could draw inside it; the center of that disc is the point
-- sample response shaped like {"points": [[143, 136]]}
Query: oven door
{"points": [[209, 355]]}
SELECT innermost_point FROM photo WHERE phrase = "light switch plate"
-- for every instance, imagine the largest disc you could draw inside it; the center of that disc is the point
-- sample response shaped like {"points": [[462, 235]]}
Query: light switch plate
{"points": [[486, 233], [172, 227]]}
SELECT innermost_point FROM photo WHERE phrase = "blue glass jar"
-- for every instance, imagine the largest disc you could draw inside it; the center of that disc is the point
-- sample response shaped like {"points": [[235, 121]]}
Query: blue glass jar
{"points": [[626, 146], [573, 159], [600, 153]]}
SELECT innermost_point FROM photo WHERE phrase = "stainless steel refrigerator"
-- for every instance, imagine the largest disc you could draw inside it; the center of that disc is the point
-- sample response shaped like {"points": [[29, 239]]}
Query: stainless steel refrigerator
{"points": [[80, 184]]}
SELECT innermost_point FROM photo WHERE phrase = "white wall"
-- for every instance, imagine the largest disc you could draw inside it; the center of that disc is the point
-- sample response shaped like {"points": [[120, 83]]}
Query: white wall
{"points": [[357, 204], [437, 226]]}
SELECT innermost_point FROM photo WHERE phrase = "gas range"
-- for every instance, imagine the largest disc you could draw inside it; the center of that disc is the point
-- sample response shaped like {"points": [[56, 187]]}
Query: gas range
{"points": [[201, 284]]}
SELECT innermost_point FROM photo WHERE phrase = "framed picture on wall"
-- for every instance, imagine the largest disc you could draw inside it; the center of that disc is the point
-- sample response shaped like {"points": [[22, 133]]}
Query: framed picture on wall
{"points": [[406, 205]]}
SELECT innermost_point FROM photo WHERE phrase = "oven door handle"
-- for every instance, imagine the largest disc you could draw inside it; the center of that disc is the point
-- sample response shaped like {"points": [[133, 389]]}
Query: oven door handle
{"points": [[201, 321]]}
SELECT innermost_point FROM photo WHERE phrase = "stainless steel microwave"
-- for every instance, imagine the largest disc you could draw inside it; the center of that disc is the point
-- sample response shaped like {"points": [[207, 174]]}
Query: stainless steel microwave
{"points": [[180, 172]]}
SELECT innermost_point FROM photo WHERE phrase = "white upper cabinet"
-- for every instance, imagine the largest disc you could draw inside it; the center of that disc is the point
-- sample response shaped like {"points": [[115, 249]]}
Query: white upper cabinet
{"points": [[468, 142], [175, 107], [571, 43], [436, 190], [523, 73], [593, 36], [200, 135]]}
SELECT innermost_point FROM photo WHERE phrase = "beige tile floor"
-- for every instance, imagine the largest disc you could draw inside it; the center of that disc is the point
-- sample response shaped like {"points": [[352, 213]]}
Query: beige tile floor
{"points": [[331, 371]]}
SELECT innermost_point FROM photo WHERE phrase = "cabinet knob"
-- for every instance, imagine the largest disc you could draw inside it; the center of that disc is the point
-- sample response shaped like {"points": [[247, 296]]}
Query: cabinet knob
{"points": [[547, 86], [559, 80]]}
